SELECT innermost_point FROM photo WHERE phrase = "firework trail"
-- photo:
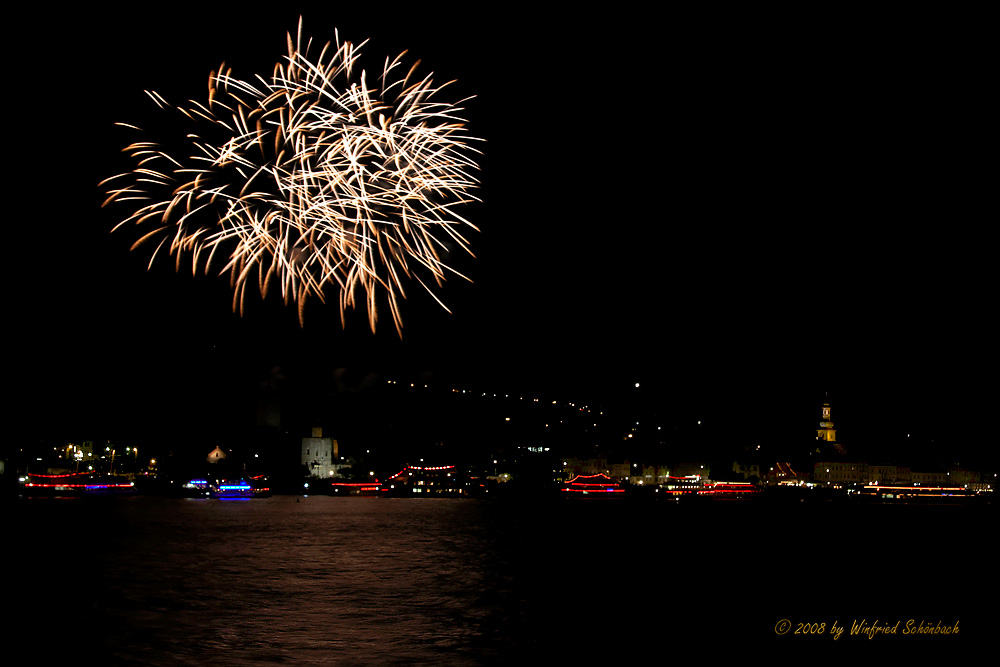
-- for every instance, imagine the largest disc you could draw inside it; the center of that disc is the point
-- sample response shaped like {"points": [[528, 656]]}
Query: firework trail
{"points": [[317, 180]]}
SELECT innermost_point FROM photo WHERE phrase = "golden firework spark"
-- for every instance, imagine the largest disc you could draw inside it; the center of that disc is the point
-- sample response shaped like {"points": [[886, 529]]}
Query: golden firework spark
{"points": [[315, 180]]}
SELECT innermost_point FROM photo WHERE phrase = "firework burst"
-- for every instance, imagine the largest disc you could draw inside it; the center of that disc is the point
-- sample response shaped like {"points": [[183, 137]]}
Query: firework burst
{"points": [[318, 181]]}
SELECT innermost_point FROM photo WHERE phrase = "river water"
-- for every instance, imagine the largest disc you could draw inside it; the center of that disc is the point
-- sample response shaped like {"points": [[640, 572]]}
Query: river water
{"points": [[373, 581]]}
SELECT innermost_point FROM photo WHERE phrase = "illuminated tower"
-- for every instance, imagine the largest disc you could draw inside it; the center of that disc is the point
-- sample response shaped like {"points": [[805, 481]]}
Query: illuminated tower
{"points": [[826, 433], [826, 430], [320, 455]]}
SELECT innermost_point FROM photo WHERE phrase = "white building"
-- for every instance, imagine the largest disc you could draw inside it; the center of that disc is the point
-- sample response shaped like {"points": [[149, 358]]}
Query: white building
{"points": [[320, 455]]}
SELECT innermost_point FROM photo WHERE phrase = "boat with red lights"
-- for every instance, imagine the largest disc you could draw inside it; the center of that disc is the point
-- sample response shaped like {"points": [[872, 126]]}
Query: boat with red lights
{"points": [[730, 490], [70, 485], [444, 481], [694, 488], [342, 488], [686, 486], [592, 486]]}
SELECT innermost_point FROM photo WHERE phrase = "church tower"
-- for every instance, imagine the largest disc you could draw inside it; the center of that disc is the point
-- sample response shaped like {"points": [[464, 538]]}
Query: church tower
{"points": [[826, 430], [826, 433]]}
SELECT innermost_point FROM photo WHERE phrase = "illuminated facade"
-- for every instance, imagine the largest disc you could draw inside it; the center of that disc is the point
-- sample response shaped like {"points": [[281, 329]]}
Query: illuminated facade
{"points": [[320, 455], [840, 473], [651, 476], [883, 474], [846, 473], [216, 455]]}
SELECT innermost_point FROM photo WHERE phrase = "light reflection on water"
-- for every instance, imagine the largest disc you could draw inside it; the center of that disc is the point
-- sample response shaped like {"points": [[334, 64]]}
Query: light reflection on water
{"points": [[316, 581], [372, 581]]}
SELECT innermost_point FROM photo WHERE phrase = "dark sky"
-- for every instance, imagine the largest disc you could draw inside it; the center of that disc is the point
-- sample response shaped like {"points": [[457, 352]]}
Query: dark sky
{"points": [[741, 211]]}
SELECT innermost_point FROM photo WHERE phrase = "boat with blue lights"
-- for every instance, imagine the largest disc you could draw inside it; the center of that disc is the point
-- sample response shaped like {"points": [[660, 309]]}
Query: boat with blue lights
{"points": [[197, 487], [238, 488]]}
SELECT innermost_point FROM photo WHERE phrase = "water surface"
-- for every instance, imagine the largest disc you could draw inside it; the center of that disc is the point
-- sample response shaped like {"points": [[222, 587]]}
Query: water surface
{"points": [[374, 581]]}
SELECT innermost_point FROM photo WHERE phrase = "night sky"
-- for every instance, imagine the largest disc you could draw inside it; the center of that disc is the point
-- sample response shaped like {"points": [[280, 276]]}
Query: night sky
{"points": [[742, 212]]}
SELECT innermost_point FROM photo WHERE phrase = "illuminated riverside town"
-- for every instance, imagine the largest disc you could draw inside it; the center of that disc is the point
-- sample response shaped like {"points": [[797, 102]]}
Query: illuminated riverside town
{"points": [[552, 488], [474, 335], [545, 460]]}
